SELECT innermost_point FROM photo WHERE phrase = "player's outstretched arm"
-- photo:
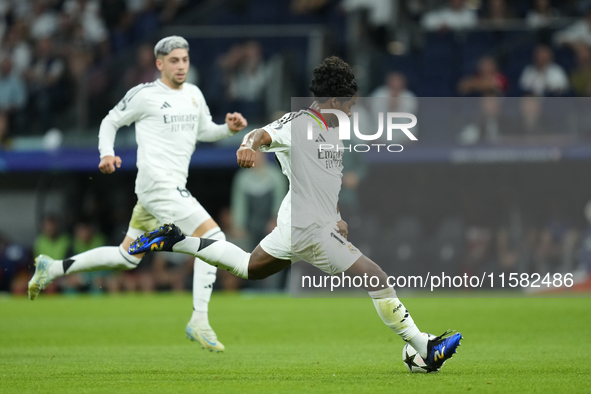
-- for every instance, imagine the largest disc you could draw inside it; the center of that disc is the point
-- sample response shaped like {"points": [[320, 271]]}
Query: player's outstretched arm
{"points": [[209, 131], [108, 164], [235, 122], [251, 142], [125, 113]]}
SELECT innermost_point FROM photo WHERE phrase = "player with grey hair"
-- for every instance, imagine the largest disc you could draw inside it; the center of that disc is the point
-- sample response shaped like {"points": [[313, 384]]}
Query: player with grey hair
{"points": [[170, 117], [168, 44]]}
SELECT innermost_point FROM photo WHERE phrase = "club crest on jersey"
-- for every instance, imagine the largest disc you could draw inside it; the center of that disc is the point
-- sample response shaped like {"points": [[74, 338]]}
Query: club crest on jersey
{"points": [[352, 249], [194, 101]]}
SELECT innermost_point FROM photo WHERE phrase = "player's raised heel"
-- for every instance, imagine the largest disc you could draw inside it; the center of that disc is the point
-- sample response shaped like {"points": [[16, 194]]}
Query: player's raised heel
{"points": [[441, 349], [40, 278], [161, 240], [206, 338]]}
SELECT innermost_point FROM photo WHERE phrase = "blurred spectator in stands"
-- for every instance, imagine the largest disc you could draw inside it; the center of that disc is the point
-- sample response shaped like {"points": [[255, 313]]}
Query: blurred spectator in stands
{"points": [[85, 238], [512, 236], [415, 9], [400, 99], [144, 70], [257, 194], [555, 248], [145, 19], [16, 47], [22, 9], [456, 16], [380, 15], [5, 141], [43, 21], [541, 15], [13, 267], [478, 247], [544, 77], [170, 9], [490, 125], [578, 33], [13, 92], [112, 11], [67, 36], [580, 78], [87, 13], [497, 14], [97, 84], [47, 83], [119, 21], [245, 78], [52, 242], [488, 80], [163, 11]]}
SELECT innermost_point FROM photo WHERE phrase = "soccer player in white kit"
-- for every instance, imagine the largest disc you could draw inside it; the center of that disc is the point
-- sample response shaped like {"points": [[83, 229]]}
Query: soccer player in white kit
{"points": [[309, 226], [170, 117]]}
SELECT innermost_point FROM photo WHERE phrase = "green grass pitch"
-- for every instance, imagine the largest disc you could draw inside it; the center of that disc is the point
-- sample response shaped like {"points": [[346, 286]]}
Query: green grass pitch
{"points": [[136, 344]]}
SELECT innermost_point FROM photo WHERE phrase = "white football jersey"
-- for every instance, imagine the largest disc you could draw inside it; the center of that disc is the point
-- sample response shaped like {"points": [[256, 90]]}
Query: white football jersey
{"points": [[314, 174], [168, 125]]}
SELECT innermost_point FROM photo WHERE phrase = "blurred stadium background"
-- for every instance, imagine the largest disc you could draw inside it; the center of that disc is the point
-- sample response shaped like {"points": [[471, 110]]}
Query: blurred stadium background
{"points": [[502, 186]]}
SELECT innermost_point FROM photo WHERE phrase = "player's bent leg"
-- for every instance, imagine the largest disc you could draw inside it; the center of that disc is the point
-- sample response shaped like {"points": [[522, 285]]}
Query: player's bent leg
{"points": [[364, 266], [389, 308], [396, 316], [218, 253], [262, 265], [205, 228], [157, 209], [221, 254], [204, 275], [98, 259]]}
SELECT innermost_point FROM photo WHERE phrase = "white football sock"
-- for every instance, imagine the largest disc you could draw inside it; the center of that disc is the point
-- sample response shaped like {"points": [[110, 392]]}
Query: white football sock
{"points": [[204, 276], [56, 269], [200, 319], [221, 254], [103, 258], [395, 316]]}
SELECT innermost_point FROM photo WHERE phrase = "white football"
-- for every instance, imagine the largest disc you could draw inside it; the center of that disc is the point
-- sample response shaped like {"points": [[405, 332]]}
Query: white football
{"points": [[412, 359]]}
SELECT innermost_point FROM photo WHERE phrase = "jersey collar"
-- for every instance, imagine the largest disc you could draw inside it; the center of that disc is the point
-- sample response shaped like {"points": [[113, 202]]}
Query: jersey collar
{"points": [[159, 82], [320, 116]]}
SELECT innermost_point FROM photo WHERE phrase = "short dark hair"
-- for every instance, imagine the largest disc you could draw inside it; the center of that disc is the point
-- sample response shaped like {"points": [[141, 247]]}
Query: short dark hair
{"points": [[333, 78]]}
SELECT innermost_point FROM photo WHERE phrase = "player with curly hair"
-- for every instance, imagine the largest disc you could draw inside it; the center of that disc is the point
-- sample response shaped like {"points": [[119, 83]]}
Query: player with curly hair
{"points": [[309, 226]]}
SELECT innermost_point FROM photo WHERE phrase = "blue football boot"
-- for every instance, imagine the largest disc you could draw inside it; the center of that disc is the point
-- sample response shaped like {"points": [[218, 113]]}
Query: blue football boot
{"points": [[441, 349], [160, 240]]}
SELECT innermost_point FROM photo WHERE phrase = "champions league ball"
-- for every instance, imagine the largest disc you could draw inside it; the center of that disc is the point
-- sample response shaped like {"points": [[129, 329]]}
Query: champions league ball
{"points": [[412, 359]]}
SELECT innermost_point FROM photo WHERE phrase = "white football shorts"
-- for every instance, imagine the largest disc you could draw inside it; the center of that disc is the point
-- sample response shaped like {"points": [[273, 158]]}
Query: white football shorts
{"points": [[323, 247], [166, 205]]}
